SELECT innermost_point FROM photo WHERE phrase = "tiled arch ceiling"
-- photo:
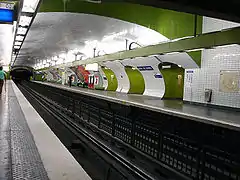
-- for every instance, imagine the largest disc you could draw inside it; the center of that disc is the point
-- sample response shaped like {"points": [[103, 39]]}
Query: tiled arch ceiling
{"points": [[52, 34], [163, 21], [169, 23]]}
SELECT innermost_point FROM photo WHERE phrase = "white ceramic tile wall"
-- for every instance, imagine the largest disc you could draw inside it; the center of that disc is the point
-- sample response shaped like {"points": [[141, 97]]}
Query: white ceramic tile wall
{"points": [[212, 24], [122, 77], [105, 81], [209, 79], [153, 86], [213, 61], [182, 59], [225, 57]]}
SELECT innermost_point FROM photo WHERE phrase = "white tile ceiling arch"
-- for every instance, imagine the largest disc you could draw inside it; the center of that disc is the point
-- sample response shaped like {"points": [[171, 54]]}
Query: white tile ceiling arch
{"points": [[55, 33]]}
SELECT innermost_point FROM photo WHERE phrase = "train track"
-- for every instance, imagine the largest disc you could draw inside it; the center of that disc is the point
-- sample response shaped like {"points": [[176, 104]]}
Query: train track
{"points": [[125, 168]]}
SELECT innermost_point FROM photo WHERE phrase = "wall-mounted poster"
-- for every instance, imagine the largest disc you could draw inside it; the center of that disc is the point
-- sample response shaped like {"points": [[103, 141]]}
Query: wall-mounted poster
{"points": [[96, 80], [229, 81]]}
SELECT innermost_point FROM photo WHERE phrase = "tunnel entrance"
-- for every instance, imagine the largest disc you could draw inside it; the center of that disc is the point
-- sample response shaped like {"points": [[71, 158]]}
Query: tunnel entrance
{"points": [[174, 80], [19, 74], [137, 83]]}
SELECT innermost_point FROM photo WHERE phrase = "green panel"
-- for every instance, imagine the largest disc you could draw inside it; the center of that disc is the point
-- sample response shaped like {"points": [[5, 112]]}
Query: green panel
{"points": [[137, 84], [38, 77], [173, 88], [169, 23], [196, 56], [112, 80], [8, 75]]}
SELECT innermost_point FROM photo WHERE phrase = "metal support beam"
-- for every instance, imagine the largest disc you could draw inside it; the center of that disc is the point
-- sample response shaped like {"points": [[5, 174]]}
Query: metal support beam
{"points": [[209, 40]]}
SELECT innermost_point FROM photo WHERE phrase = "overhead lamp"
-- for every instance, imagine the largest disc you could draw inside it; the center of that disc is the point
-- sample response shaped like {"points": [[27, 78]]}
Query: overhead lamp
{"points": [[55, 58], [22, 31], [16, 47], [193, 50], [25, 20], [18, 43], [172, 53], [62, 56], [19, 38], [182, 38], [30, 5]]}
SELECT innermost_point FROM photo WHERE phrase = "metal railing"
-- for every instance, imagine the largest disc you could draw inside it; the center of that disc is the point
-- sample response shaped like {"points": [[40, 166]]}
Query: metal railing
{"points": [[195, 150]]}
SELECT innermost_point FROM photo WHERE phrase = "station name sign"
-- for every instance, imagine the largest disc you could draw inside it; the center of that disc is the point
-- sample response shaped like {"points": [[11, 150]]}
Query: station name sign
{"points": [[145, 68]]}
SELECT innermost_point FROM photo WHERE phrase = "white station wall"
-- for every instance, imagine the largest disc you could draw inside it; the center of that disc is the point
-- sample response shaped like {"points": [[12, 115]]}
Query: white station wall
{"points": [[182, 59], [105, 81], [225, 58], [153, 86], [121, 75]]}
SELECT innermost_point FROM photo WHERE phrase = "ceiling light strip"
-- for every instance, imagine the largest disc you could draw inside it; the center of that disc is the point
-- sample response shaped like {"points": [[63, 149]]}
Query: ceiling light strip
{"points": [[26, 10]]}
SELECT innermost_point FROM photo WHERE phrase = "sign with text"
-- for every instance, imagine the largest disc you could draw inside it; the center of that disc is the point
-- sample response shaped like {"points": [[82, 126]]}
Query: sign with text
{"points": [[8, 6], [145, 68], [158, 76], [7, 12]]}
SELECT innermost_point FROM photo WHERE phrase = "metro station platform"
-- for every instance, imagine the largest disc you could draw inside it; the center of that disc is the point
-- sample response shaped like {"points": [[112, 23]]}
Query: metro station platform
{"points": [[28, 147], [214, 116]]}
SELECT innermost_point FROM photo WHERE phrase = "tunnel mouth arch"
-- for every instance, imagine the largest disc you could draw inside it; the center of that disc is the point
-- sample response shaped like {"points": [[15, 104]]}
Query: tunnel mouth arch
{"points": [[137, 82], [21, 73], [173, 76]]}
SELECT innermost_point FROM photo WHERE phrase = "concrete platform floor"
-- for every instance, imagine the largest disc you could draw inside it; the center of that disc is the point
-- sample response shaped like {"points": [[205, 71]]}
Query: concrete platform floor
{"points": [[29, 150]]}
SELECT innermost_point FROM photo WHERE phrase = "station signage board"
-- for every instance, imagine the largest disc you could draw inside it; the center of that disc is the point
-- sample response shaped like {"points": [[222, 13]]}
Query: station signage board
{"points": [[158, 76], [8, 6], [7, 13], [145, 68]]}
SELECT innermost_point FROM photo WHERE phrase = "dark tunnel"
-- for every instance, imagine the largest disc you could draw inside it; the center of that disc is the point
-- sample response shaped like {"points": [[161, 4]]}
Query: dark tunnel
{"points": [[20, 74]]}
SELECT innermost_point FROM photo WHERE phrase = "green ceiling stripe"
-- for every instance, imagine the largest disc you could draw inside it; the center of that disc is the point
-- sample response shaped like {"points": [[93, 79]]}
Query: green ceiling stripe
{"points": [[169, 23]]}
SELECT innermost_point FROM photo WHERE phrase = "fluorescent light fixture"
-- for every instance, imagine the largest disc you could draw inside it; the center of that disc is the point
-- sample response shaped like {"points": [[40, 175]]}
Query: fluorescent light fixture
{"points": [[62, 56], [25, 20], [30, 5], [166, 67], [60, 61], [16, 47], [55, 58], [178, 39], [22, 31], [18, 43], [171, 53], [19, 38], [92, 67], [192, 50]]}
